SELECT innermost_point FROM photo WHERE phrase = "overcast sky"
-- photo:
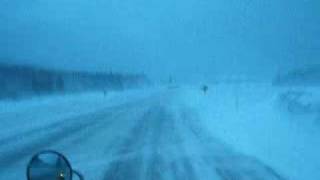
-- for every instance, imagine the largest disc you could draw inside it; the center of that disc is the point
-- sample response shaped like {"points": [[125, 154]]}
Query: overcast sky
{"points": [[186, 39]]}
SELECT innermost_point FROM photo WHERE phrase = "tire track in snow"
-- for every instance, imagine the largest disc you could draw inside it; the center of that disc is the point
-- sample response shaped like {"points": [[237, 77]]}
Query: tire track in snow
{"points": [[158, 146], [79, 128], [160, 143], [153, 150], [43, 139]]}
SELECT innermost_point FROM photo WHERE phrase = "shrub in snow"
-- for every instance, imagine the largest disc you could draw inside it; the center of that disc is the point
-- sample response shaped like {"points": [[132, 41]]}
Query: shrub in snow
{"points": [[300, 102]]}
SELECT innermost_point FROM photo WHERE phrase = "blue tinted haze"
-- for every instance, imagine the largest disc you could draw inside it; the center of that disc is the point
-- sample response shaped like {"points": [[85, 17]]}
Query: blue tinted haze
{"points": [[186, 39]]}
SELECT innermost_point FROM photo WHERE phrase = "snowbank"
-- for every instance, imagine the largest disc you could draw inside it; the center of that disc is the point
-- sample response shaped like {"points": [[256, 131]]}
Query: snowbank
{"points": [[250, 118]]}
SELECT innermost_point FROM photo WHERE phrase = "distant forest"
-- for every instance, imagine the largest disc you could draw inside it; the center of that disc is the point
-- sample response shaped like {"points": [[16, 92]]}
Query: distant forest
{"points": [[21, 81], [307, 76]]}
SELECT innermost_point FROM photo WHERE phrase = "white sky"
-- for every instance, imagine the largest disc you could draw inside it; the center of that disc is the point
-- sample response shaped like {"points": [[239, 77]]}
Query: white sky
{"points": [[186, 39]]}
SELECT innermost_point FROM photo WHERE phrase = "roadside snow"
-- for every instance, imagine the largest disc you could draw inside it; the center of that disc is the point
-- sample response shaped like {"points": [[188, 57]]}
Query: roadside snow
{"points": [[17, 117], [250, 118]]}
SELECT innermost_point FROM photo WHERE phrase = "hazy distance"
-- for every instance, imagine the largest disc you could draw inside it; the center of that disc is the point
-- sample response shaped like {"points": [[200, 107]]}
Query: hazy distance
{"points": [[189, 40]]}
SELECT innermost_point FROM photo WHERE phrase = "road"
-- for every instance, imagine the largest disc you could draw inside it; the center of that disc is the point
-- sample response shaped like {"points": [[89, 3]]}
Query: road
{"points": [[153, 138]]}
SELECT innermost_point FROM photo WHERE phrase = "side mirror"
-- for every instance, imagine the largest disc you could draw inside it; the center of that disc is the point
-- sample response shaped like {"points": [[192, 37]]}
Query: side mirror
{"points": [[50, 165]]}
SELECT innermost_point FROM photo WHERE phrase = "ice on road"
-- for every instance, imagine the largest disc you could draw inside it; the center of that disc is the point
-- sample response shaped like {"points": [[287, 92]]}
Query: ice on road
{"points": [[151, 138]]}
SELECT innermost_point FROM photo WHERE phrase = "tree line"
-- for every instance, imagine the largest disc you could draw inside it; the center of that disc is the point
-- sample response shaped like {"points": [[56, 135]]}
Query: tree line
{"points": [[20, 80]]}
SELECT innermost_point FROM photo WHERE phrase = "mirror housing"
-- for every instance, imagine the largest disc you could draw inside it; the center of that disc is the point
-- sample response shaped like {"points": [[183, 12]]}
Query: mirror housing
{"points": [[50, 165]]}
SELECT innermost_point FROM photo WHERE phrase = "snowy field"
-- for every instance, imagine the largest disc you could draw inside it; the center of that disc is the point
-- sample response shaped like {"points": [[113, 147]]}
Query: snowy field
{"points": [[278, 125], [272, 132]]}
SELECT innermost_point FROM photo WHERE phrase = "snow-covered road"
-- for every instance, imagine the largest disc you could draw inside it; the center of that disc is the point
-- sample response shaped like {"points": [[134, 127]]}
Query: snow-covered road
{"points": [[148, 138]]}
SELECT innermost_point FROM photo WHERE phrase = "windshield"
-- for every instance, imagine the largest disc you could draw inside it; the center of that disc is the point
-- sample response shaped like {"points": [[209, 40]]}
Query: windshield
{"points": [[170, 89]]}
